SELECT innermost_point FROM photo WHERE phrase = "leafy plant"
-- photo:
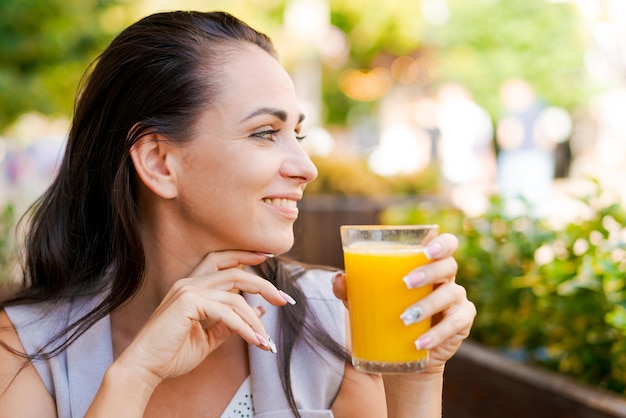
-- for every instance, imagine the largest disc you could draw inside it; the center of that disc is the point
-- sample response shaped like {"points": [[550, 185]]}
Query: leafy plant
{"points": [[45, 46], [7, 250], [487, 42], [555, 295], [350, 176]]}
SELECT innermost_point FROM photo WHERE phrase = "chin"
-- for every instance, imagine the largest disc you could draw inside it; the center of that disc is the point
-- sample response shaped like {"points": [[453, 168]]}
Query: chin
{"points": [[269, 239], [278, 246]]}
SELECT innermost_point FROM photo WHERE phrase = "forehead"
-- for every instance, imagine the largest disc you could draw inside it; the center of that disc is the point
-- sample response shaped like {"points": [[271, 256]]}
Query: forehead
{"points": [[252, 78]]}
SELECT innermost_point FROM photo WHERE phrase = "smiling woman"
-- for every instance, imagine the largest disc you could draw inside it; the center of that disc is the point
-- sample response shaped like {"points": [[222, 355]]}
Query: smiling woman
{"points": [[249, 142], [152, 289]]}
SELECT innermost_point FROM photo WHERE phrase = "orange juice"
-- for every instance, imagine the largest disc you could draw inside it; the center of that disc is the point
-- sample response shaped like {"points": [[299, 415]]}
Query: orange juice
{"points": [[377, 297]]}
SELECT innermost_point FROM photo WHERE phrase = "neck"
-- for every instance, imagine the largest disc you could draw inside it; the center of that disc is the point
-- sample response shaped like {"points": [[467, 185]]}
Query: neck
{"points": [[165, 264], [172, 252]]}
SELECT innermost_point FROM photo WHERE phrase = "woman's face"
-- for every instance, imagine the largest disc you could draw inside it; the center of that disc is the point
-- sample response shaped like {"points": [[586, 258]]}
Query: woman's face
{"points": [[243, 173]]}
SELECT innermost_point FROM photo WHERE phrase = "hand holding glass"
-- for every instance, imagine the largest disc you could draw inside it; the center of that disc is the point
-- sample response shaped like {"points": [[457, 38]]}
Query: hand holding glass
{"points": [[377, 258]]}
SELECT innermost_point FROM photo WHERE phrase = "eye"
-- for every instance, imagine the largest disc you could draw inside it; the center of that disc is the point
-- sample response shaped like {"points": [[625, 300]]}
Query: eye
{"points": [[267, 134], [299, 135]]}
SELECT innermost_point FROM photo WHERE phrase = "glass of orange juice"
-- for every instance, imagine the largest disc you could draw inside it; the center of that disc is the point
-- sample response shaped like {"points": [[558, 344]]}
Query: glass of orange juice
{"points": [[376, 258]]}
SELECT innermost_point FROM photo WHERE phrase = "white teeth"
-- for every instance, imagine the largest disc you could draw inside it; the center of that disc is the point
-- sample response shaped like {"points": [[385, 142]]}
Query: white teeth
{"points": [[287, 203]]}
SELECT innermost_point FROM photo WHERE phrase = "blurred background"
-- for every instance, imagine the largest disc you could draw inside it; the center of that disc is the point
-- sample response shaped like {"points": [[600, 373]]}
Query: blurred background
{"points": [[460, 100], [502, 120]]}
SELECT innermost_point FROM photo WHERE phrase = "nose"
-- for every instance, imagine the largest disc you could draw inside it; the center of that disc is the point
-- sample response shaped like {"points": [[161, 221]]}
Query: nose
{"points": [[298, 165]]}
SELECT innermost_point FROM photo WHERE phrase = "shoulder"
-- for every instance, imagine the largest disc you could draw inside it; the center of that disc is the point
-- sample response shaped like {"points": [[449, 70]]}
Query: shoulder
{"points": [[69, 373], [23, 393], [36, 324], [39, 323]]}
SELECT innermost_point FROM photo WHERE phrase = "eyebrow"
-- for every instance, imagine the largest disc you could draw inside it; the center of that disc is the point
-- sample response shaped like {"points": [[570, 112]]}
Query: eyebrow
{"points": [[277, 113]]}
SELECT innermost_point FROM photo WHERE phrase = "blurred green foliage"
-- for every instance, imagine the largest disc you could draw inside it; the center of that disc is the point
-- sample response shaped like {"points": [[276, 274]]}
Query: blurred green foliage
{"points": [[482, 44], [7, 249], [557, 296], [45, 46], [488, 41], [350, 176]]}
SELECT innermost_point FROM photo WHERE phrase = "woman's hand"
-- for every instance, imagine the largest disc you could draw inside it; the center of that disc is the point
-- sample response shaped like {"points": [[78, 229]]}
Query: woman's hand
{"points": [[199, 313], [452, 313]]}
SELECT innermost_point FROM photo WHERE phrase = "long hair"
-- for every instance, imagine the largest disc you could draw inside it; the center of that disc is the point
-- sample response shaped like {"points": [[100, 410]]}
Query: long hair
{"points": [[296, 323], [157, 76]]}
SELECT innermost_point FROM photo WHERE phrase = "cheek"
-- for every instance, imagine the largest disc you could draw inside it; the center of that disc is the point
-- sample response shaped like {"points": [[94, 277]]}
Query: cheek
{"points": [[199, 181], [231, 175], [226, 189]]}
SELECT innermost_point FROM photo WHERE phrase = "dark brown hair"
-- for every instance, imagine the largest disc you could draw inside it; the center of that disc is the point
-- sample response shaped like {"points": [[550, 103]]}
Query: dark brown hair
{"points": [[156, 76]]}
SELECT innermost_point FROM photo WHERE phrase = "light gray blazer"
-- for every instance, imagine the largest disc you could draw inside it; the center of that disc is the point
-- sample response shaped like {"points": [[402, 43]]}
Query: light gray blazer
{"points": [[74, 376]]}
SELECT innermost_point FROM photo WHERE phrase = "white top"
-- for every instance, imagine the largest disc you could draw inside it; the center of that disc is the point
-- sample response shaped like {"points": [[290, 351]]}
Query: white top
{"points": [[73, 377], [240, 405]]}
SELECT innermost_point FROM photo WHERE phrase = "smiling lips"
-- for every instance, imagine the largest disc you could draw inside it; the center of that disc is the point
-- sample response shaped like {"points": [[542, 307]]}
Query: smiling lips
{"points": [[282, 202]]}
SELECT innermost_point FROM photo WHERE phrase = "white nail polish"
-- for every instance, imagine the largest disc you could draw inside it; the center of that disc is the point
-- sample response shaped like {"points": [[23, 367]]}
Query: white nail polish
{"points": [[272, 345], [268, 255], [287, 298], [422, 343], [417, 345], [411, 315], [407, 282]]}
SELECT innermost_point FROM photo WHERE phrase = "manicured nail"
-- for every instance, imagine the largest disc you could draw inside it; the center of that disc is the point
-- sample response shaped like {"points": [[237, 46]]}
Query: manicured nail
{"points": [[262, 310], [411, 315], [288, 298], [261, 339], [336, 276], [423, 342], [271, 345], [266, 254], [433, 250], [414, 279]]}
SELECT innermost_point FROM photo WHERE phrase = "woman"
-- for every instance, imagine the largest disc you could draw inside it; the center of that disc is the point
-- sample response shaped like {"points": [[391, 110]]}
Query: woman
{"points": [[152, 289]]}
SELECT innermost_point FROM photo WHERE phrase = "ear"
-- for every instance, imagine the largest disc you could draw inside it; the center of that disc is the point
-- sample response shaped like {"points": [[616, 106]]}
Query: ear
{"points": [[152, 158]]}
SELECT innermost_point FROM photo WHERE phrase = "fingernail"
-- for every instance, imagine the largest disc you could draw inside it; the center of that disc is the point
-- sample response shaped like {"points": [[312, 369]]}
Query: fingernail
{"points": [[266, 254], [433, 250], [411, 315], [336, 276], [414, 279], [262, 310], [288, 298], [423, 342], [271, 344], [261, 339]]}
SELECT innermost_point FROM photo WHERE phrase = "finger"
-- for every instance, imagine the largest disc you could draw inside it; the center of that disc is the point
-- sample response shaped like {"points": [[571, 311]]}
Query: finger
{"points": [[339, 287], [441, 299], [210, 307], [259, 310], [438, 271], [220, 260], [237, 304], [442, 246], [454, 327], [240, 280], [218, 313]]}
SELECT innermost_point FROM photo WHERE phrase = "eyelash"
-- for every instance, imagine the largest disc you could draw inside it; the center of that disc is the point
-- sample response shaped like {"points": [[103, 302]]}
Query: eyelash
{"points": [[266, 134]]}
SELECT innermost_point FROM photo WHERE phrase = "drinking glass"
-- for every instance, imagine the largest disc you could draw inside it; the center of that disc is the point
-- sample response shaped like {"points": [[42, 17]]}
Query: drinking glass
{"points": [[377, 258]]}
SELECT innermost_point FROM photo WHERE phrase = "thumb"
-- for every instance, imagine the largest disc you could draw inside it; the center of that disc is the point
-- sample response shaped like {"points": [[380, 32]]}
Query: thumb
{"points": [[339, 287]]}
